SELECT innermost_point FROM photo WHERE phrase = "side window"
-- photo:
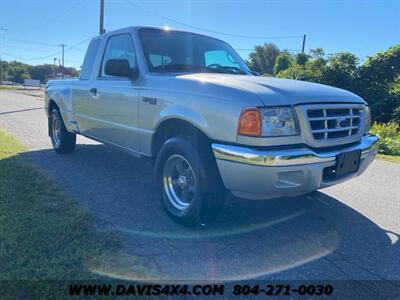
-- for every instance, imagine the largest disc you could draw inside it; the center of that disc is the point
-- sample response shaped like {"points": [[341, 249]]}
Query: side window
{"points": [[90, 57], [220, 57], [119, 47]]}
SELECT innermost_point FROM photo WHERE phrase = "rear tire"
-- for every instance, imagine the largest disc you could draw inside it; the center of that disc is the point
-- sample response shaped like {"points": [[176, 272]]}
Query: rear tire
{"points": [[62, 140], [191, 190]]}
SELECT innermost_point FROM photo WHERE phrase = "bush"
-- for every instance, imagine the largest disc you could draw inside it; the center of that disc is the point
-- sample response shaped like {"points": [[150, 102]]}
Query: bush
{"points": [[389, 137]]}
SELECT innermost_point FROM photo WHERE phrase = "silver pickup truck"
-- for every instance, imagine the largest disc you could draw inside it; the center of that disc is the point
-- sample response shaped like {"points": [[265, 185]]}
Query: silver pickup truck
{"points": [[190, 105]]}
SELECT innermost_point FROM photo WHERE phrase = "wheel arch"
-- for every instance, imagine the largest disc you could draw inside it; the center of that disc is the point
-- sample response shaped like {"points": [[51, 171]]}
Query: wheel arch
{"points": [[52, 105], [177, 127]]}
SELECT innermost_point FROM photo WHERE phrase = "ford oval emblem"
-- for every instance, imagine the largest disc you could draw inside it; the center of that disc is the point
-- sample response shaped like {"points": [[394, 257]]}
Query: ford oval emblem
{"points": [[342, 123]]}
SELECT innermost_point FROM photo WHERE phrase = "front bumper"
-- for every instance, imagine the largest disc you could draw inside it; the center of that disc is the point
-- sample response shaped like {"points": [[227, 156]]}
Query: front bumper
{"points": [[261, 174]]}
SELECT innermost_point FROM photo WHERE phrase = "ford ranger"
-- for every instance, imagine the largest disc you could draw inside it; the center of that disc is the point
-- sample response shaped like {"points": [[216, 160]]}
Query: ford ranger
{"points": [[189, 104]]}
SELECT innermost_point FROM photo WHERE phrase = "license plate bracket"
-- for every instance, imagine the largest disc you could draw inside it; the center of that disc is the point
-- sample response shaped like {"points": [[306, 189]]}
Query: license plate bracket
{"points": [[347, 162]]}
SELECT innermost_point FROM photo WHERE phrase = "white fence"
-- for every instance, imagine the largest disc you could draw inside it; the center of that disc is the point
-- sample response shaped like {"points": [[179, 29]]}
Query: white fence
{"points": [[32, 83]]}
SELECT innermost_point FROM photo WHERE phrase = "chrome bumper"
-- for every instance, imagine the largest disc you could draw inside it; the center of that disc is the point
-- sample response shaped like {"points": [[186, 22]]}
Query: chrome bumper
{"points": [[253, 173]]}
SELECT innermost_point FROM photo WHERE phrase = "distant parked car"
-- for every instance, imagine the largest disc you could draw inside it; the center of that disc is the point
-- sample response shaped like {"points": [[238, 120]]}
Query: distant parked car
{"points": [[190, 105]]}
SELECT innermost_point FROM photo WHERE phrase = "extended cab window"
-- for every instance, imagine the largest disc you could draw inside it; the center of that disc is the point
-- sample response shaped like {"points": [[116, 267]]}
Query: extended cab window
{"points": [[119, 47], [159, 59], [90, 57]]}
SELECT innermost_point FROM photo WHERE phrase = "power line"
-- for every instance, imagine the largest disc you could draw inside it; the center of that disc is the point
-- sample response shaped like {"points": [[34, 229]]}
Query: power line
{"points": [[21, 58], [55, 53], [30, 42], [73, 61], [37, 43], [51, 19], [212, 31], [81, 42], [32, 58]]}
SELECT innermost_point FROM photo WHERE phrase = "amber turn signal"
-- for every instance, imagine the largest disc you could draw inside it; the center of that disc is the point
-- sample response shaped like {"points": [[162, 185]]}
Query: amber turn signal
{"points": [[250, 122]]}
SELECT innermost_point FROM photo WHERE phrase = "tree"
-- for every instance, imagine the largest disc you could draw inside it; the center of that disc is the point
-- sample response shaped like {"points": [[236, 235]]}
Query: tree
{"points": [[262, 60], [295, 71], [378, 83], [5, 68], [42, 72], [377, 80], [317, 53], [282, 62], [18, 71], [72, 72], [304, 67], [301, 58], [341, 70]]}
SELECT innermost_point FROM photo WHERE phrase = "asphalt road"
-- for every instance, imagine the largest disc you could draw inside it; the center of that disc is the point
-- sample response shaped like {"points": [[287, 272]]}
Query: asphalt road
{"points": [[347, 232]]}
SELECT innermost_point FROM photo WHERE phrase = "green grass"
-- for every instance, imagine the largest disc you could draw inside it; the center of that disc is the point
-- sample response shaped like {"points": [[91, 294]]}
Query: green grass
{"points": [[392, 158], [43, 234]]}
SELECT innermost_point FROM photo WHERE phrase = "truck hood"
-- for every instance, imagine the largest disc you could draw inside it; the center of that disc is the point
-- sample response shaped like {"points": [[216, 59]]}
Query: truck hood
{"points": [[276, 91]]}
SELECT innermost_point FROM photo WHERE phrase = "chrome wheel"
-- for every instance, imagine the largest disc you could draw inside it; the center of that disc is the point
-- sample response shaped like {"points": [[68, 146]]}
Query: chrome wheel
{"points": [[56, 131], [179, 182]]}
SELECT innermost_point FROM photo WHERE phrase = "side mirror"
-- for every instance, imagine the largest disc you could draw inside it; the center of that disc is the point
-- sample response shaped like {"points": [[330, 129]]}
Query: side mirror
{"points": [[121, 68]]}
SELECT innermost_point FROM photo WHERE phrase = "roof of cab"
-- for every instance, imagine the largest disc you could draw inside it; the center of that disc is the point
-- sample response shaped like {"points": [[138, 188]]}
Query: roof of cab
{"points": [[137, 28]]}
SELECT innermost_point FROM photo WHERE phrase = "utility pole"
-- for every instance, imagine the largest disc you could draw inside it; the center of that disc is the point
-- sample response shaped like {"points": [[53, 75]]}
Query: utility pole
{"points": [[62, 59], [55, 69], [101, 29], [304, 43], [2, 29]]}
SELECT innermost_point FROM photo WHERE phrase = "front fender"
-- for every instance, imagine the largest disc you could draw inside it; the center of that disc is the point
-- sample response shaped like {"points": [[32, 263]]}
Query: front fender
{"points": [[185, 114]]}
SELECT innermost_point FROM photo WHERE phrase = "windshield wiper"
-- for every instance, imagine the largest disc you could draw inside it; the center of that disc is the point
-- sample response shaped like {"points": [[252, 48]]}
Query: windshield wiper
{"points": [[230, 69], [185, 67], [182, 67]]}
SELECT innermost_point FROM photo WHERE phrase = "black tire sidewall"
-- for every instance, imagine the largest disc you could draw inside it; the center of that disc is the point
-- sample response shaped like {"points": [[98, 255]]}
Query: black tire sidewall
{"points": [[67, 140], [54, 114], [197, 208]]}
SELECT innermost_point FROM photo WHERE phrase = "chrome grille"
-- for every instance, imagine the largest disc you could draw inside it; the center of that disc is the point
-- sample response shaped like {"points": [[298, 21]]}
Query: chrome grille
{"points": [[333, 123]]}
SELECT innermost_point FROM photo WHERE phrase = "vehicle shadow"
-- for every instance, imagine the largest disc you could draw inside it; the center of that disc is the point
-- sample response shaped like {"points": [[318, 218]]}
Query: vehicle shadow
{"points": [[309, 237]]}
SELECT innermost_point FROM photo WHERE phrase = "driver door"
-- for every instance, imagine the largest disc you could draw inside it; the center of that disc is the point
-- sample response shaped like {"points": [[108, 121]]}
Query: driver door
{"points": [[115, 99]]}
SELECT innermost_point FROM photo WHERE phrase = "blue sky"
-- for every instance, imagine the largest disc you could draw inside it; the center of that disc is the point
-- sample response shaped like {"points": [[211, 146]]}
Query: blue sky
{"points": [[363, 27]]}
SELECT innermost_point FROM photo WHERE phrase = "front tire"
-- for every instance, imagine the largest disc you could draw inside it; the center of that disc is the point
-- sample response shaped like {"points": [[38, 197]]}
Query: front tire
{"points": [[62, 140], [190, 192]]}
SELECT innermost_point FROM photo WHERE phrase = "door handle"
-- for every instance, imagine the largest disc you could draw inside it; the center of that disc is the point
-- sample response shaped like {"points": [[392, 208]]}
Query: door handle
{"points": [[150, 100], [93, 91]]}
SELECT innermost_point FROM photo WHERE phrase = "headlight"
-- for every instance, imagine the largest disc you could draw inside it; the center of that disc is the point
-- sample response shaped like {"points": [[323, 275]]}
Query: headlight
{"points": [[278, 121], [368, 120], [268, 122]]}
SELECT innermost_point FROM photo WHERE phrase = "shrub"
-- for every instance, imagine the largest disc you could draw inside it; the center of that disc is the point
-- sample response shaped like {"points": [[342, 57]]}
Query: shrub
{"points": [[389, 137]]}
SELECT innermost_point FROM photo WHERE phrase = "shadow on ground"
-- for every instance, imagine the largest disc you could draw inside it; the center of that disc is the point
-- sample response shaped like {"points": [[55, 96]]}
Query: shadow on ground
{"points": [[309, 237]]}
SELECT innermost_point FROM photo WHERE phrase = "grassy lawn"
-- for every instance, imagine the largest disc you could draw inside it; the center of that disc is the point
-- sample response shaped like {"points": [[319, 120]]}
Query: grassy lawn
{"points": [[43, 234], [392, 158]]}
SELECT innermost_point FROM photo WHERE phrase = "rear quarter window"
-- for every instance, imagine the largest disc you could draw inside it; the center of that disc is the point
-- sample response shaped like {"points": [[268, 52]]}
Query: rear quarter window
{"points": [[89, 60]]}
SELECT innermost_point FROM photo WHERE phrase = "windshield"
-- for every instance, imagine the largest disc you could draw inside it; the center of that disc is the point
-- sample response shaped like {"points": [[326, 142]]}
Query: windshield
{"points": [[173, 51]]}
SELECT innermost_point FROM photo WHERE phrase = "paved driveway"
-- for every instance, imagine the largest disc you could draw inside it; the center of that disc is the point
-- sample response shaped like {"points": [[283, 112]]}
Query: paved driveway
{"points": [[350, 231]]}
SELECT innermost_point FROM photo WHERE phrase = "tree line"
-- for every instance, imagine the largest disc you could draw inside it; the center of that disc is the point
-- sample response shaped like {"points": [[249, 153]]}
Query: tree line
{"points": [[16, 71], [376, 80]]}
